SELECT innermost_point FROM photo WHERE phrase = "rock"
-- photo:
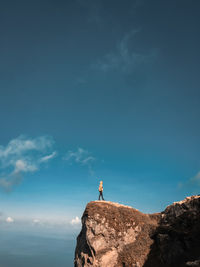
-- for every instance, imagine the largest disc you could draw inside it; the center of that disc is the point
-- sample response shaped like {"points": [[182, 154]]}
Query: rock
{"points": [[115, 235], [193, 263]]}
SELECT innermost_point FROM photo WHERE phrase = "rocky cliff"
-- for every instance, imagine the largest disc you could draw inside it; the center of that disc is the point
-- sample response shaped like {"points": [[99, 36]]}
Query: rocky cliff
{"points": [[115, 235]]}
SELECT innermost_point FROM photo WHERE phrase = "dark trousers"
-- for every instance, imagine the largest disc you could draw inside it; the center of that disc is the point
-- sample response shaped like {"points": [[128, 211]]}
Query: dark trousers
{"points": [[101, 195]]}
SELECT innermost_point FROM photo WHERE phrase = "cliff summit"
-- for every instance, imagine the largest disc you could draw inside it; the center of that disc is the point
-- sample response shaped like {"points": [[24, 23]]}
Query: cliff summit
{"points": [[115, 235]]}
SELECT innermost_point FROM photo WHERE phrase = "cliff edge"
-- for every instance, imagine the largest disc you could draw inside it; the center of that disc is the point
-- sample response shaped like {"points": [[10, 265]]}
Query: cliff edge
{"points": [[115, 235]]}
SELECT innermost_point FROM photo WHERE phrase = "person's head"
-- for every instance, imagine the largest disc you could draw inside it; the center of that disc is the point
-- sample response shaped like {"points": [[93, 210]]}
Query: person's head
{"points": [[101, 182]]}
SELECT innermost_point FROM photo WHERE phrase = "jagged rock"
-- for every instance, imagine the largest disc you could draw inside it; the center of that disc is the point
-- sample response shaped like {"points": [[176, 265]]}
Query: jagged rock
{"points": [[115, 235]]}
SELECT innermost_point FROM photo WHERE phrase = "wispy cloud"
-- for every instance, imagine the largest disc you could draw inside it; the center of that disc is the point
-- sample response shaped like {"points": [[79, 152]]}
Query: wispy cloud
{"points": [[124, 57], [82, 157], [48, 157], [23, 155]]}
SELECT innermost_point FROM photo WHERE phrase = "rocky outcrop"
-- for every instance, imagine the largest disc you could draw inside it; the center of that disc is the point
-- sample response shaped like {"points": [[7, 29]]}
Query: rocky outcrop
{"points": [[115, 235]]}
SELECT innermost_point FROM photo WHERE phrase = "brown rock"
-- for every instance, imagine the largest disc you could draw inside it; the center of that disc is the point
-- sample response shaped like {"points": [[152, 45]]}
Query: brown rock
{"points": [[115, 235]]}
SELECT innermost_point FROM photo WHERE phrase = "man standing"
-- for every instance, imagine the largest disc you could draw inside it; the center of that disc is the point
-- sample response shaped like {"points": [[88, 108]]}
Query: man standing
{"points": [[101, 190]]}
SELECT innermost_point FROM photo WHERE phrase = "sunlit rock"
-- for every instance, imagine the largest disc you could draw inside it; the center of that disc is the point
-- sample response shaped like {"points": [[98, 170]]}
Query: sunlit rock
{"points": [[114, 235]]}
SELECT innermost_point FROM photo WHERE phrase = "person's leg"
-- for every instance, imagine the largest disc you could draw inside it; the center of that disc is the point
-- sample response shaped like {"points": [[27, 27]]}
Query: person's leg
{"points": [[99, 195]]}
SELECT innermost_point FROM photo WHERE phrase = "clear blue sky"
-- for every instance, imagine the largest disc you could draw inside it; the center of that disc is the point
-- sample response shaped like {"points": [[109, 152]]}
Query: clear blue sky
{"points": [[97, 90]]}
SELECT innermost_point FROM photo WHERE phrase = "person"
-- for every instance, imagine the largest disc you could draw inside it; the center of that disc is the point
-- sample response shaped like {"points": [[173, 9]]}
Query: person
{"points": [[101, 190]]}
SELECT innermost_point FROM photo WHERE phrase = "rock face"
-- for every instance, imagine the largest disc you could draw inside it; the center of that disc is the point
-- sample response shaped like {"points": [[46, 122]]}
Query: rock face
{"points": [[115, 235]]}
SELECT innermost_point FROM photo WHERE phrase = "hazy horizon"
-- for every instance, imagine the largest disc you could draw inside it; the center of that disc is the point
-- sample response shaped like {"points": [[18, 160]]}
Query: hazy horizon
{"points": [[39, 245]]}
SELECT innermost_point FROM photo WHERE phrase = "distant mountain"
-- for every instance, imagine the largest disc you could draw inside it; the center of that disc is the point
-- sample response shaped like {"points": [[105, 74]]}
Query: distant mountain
{"points": [[115, 235]]}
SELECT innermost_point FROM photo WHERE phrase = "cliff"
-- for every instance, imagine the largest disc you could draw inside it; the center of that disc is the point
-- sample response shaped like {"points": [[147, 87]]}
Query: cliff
{"points": [[115, 235]]}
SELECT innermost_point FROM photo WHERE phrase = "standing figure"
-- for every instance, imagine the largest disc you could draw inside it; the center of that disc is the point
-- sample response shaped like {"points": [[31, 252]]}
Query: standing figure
{"points": [[101, 190]]}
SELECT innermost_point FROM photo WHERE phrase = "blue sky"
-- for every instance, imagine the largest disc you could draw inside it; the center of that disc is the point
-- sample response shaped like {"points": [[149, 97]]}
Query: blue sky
{"points": [[97, 90]]}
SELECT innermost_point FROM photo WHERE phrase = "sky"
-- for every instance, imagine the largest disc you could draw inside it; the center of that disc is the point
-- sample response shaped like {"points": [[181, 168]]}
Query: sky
{"points": [[96, 90]]}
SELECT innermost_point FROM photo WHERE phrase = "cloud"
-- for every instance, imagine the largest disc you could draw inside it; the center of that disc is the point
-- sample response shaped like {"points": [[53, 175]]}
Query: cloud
{"points": [[48, 157], [22, 155], [82, 157], [22, 145], [124, 58], [9, 220], [23, 166], [75, 221]]}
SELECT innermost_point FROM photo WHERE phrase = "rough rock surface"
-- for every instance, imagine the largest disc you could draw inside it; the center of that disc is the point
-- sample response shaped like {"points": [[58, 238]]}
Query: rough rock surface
{"points": [[115, 235]]}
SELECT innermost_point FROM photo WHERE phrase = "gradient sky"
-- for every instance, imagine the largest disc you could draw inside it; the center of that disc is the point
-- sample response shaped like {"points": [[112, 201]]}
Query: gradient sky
{"points": [[97, 90]]}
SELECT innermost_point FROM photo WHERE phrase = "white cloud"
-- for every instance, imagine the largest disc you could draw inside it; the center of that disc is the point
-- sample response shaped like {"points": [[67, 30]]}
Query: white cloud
{"points": [[22, 155], [21, 145], [75, 221], [9, 220], [48, 157]]}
